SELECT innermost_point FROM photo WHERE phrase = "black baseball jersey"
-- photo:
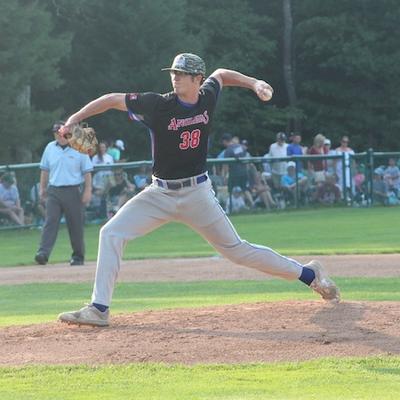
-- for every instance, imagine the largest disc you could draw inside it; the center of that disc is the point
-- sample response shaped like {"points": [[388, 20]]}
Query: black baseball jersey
{"points": [[179, 131]]}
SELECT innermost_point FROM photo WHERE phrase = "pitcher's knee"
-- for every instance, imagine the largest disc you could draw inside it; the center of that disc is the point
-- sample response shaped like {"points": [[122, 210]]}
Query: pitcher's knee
{"points": [[238, 254], [106, 231]]}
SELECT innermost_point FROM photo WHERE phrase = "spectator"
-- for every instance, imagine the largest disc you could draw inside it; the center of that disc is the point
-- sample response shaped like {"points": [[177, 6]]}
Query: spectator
{"points": [[392, 176], [245, 145], [100, 180], [317, 168], [237, 175], [359, 186], [380, 189], [142, 178], [267, 173], [226, 140], [115, 149], [37, 206], [328, 192], [278, 168], [102, 157], [63, 171], [348, 152], [259, 188], [119, 190], [236, 203], [235, 140], [330, 163], [10, 204], [296, 149], [289, 183]]}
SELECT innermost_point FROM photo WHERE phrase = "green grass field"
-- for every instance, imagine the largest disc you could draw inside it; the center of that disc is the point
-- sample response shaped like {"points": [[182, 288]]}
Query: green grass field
{"points": [[343, 230], [372, 378], [302, 232]]}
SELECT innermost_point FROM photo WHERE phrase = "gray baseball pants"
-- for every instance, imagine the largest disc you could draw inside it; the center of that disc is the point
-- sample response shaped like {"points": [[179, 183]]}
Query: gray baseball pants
{"points": [[195, 206], [64, 200]]}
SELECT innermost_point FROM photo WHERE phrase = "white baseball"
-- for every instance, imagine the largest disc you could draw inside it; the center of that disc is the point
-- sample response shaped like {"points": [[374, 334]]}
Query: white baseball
{"points": [[264, 91]]}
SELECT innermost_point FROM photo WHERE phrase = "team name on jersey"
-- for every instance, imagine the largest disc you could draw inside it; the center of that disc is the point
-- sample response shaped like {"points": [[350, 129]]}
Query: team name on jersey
{"points": [[175, 124]]}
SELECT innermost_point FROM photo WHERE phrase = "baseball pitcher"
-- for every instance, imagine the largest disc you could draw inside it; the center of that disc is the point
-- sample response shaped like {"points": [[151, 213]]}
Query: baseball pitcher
{"points": [[180, 123]]}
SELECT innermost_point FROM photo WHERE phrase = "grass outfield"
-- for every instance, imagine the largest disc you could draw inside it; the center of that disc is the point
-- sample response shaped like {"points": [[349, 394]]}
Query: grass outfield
{"points": [[330, 379], [34, 303], [327, 231], [343, 230]]}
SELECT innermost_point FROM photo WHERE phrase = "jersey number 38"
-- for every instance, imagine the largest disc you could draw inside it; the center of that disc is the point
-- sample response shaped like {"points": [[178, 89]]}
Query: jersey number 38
{"points": [[190, 139]]}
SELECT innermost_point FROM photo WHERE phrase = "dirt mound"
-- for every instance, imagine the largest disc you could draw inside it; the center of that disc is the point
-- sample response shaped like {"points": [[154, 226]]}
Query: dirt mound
{"points": [[198, 269], [282, 331]]}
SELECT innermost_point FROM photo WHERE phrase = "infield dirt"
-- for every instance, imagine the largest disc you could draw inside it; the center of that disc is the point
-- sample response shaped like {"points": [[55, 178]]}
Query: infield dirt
{"points": [[278, 331]]}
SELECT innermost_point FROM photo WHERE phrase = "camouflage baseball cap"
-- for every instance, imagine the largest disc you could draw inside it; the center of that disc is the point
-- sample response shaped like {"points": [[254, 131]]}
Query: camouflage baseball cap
{"points": [[189, 63]]}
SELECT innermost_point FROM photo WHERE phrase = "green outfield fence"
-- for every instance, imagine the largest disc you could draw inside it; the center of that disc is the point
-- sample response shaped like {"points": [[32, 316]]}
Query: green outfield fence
{"points": [[353, 176]]}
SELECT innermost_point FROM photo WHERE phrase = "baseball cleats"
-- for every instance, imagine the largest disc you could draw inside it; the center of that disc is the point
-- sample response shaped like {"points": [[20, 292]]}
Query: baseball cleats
{"points": [[88, 315], [322, 284], [41, 258]]}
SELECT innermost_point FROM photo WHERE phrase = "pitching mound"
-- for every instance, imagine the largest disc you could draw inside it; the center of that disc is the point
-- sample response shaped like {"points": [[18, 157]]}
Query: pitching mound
{"points": [[282, 331]]}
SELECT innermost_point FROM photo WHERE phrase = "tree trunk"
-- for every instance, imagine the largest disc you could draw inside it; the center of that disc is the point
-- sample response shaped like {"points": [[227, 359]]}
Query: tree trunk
{"points": [[288, 73], [23, 154]]}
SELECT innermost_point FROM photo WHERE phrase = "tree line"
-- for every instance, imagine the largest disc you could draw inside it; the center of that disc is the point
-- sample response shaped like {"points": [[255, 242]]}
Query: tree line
{"points": [[334, 65]]}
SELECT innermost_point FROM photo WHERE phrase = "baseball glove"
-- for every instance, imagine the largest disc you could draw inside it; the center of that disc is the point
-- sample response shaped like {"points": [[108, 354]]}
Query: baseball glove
{"points": [[82, 138]]}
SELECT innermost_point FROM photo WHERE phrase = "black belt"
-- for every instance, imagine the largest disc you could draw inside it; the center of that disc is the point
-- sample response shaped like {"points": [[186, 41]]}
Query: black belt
{"points": [[64, 187], [173, 185]]}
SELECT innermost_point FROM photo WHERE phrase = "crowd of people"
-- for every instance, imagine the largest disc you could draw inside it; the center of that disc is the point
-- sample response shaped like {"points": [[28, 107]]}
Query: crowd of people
{"points": [[331, 176], [240, 186]]}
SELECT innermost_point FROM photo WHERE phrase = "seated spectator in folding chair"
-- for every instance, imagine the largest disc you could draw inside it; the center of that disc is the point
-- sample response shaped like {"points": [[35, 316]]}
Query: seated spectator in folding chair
{"points": [[260, 189], [142, 179], [380, 188], [236, 203], [289, 184], [10, 204], [359, 184], [38, 206], [328, 192], [119, 190], [392, 176]]}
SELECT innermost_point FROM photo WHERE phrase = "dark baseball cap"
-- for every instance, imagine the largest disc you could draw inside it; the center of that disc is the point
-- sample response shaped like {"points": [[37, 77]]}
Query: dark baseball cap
{"points": [[226, 137], [280, 136], [8, 178], [57, 125], [188, 63]]}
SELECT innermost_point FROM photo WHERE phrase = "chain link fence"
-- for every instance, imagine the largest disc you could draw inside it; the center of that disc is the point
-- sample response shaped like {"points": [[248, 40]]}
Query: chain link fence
{"points": [[244, 185]]}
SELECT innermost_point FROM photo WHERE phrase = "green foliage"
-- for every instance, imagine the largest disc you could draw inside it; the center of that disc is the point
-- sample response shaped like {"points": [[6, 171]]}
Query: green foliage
{"points": [[237, 46], [119, 46], [30, 52], [345, 58], [348, 64], [347, 379]]}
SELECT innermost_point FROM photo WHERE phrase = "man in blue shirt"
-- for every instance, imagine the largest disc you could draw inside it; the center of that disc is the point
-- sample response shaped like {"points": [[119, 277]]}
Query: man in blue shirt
{"points": [[63, 171], [296, 149]]}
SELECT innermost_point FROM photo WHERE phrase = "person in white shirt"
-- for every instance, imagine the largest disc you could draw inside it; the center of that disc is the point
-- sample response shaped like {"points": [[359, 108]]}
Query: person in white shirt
{"points": [[100, 179], [348, 163], [278, 168]]}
